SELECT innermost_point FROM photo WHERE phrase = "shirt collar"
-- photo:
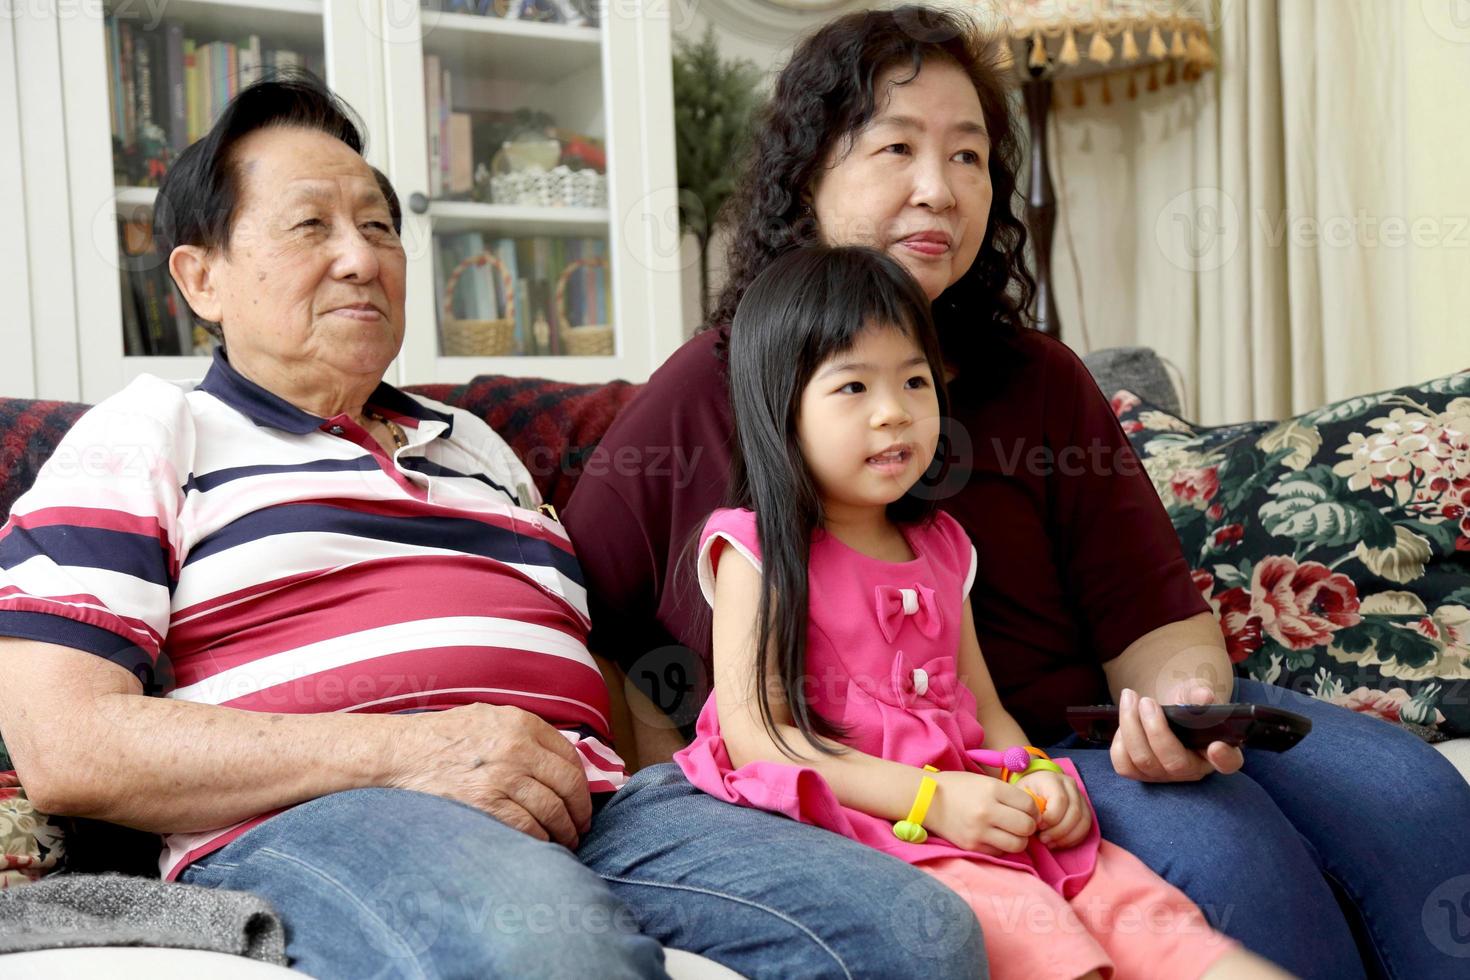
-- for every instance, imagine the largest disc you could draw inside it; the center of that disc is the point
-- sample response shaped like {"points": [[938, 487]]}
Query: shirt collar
{"points": [[266, 408]]}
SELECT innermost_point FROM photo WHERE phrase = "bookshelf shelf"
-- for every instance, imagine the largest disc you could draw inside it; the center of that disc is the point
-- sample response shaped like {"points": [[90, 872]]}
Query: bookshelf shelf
{"points": [[288, 21], [512, 50], [503, 219], [136, 197]]}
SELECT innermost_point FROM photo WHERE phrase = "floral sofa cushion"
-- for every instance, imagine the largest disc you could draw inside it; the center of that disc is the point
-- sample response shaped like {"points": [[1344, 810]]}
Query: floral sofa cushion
{"points": [[30, 842], [1334, 547]]}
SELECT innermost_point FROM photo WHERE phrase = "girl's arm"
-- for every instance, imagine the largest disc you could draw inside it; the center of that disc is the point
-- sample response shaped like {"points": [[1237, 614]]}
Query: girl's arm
{"points": [[1001, 730], [975, 812], [1067, 818]]}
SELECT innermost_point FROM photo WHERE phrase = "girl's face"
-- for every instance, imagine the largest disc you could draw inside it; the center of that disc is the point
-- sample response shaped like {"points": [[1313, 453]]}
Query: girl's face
{"points": [[868, 421], [916, 182]]}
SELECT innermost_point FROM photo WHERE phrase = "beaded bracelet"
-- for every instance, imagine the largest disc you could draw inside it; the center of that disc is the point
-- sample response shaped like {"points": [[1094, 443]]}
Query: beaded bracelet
{"points": [[911, 828]]}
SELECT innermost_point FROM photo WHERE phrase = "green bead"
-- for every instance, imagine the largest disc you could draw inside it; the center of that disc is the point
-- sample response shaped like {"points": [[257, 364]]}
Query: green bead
{"points": [[911, 833]]}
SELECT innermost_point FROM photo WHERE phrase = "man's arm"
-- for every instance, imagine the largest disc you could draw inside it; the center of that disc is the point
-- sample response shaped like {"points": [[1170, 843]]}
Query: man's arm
{"points": [[87, 742]]}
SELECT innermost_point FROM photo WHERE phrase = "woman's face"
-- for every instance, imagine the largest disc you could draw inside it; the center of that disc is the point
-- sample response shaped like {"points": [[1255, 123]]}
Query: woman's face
{"points": [[916, 182], [313, 285]]}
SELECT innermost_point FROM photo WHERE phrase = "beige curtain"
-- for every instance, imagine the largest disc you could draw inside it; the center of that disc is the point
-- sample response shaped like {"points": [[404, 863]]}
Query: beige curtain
{"points": [[1290, 230]]}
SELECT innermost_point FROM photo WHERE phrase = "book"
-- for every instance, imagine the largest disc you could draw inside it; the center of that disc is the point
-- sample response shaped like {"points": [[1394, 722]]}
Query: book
{"points": [[130, 102], [114, 97], [445, 102], [191, 89], [178, 119], [250, 67], [433, 78], [461, 154]]}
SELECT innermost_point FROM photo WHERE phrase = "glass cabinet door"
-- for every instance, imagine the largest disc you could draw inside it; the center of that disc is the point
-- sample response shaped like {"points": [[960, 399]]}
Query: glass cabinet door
{"points": [[527, 148], [141, 82]]}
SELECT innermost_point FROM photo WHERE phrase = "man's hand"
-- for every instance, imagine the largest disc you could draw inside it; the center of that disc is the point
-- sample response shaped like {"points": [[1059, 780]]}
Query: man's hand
{"points": [[504, 761], [1147, 750]]}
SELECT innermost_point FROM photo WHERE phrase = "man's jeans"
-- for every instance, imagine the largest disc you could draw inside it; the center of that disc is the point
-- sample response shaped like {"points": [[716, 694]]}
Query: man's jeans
{"points": [[390, 883], [1357, 832]]}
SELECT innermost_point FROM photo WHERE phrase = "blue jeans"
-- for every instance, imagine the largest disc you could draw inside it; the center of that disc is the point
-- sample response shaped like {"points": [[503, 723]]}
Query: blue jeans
{"points": [[1344, 852], [390, 883]]}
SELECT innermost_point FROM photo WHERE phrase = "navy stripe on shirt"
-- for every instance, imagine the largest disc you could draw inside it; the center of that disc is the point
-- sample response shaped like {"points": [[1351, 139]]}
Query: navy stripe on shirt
{"points": [[448, 533], [125, 552]]}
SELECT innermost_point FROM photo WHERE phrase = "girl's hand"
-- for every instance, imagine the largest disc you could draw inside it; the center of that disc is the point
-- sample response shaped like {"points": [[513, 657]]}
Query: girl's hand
{"points": [[1067, 817], [981, 813]]}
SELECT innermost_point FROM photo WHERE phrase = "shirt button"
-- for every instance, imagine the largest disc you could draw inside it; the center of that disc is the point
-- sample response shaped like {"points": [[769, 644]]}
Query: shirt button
{"points": [[336, 430]]}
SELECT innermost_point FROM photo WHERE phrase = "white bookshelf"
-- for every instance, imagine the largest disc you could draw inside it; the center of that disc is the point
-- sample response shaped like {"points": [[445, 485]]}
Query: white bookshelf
{"points": [[611, 81]]}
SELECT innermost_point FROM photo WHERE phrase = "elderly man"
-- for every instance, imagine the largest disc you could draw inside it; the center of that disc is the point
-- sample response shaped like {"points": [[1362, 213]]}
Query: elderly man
{"points": [[378, 710]]}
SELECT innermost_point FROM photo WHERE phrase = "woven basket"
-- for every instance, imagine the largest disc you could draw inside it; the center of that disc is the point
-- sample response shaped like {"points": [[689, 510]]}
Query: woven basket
{"points": [[560, 187], [479, 338], [588, 340]]}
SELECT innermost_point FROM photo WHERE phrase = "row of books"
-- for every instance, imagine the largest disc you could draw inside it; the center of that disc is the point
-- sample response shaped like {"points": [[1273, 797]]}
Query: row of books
{"points": [[534, 265], [156, 320], [451, 139], [165, 90]]}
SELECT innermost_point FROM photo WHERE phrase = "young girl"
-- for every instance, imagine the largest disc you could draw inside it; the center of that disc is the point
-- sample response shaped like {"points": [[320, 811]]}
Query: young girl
{"points": [[859, 701]]}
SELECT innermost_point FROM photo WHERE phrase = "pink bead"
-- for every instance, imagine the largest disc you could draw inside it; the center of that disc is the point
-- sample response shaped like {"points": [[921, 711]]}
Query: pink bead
{"points": [[1016, 759]]}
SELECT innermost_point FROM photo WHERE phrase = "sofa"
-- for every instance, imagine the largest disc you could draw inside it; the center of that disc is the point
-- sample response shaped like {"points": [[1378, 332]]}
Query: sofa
{"points": [[1207, 490]]}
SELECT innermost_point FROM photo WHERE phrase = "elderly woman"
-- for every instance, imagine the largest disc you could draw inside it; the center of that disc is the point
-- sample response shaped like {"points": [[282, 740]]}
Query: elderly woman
{"points": [[892, 129], [378, 710]]}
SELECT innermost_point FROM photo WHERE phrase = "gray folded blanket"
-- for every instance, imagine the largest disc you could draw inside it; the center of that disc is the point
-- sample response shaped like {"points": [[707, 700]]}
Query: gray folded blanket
{"points": [[68, 910]]}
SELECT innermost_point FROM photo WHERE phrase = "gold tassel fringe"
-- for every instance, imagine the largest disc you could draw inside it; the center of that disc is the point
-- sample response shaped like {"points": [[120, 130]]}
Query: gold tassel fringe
{"points": [[1100, 50], [1069, 55], [1038, 51], [1156, 49], [1080, 98], [1130, 46]]}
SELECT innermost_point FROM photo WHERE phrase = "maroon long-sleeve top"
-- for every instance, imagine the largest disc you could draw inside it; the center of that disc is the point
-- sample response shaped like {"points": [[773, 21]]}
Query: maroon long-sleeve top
{"points": [[1077, 558]]}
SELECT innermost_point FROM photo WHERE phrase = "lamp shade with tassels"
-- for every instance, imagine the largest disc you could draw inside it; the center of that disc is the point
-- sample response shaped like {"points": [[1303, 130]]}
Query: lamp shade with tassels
{"points": [[1152, 41]]}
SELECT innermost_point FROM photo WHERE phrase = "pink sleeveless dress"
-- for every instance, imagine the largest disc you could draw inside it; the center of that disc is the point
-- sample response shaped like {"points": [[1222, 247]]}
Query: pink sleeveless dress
{"points": [[882, 653]]}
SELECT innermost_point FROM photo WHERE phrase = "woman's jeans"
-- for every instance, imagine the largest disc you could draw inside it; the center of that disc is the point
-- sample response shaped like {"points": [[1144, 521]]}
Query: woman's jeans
{"points": [[1356, 833], [1359, 832]]}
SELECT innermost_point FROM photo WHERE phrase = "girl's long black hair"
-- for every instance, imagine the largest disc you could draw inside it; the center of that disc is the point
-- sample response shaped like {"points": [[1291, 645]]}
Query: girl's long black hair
{"points": [[807, 306]]}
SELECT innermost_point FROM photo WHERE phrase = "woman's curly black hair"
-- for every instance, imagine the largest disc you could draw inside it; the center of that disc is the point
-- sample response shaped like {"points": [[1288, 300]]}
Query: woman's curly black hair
{"points": [[828, 92]]}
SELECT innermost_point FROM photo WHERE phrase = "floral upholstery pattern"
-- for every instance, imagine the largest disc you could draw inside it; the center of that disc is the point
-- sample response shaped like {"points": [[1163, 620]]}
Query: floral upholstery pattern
{"points": [[1334, 547]]}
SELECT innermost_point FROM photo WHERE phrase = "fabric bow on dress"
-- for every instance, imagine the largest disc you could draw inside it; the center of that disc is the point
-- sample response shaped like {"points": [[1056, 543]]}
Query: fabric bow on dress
{"points": [[895, 603]]}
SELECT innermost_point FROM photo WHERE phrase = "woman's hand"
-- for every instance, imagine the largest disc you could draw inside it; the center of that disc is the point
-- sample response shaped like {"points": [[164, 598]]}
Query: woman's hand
{"points": [[502, 760], [1067, 817], [981, 813], [1147, 750]]}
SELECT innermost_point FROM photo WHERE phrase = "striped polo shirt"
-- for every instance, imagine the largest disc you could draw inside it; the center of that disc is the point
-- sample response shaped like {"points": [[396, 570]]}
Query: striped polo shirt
{"points": [[229, 548]]}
